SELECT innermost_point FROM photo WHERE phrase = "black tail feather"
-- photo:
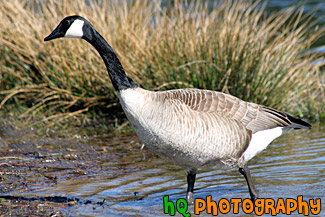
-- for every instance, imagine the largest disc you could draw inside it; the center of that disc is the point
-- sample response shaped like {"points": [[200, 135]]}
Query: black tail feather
{"points": [[298, 123]]}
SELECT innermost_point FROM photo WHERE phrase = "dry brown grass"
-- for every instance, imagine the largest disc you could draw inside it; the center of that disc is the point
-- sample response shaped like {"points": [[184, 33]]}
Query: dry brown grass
{"points": [[231, 48]]}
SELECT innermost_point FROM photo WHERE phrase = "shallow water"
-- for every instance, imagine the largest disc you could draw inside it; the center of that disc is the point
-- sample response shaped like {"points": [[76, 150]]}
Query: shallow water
{"points": [[133, 182]]}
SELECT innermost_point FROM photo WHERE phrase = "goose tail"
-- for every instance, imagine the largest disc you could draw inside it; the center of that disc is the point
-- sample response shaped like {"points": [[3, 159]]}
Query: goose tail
{"points": [[297, 123]]}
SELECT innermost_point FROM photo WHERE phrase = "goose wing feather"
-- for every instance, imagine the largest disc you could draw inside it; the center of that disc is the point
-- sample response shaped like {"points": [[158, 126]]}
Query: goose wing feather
{"points": [[253, 116]]}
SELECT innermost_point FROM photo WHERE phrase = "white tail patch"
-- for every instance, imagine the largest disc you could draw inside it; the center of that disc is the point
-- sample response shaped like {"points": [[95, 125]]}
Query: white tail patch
{"points": [[261, 139], [75, 30]]}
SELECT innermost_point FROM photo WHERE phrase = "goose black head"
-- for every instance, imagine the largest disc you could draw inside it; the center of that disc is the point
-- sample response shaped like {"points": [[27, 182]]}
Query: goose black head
{"points": [[69, 27]]}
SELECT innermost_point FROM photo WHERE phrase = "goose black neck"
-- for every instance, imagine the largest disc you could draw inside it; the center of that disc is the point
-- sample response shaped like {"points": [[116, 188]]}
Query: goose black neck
{"points": [[114, 67]]}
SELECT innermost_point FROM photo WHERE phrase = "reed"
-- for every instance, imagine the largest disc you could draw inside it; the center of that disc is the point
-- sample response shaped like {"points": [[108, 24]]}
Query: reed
{"points": [[232, 47]]}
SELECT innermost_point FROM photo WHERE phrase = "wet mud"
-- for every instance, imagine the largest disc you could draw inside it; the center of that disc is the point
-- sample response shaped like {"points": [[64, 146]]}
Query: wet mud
{"points": [[29, 163]]}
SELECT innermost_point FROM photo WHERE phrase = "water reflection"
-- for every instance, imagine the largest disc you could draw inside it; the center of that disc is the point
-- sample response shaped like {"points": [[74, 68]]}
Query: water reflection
{"points": [[133, 182]]}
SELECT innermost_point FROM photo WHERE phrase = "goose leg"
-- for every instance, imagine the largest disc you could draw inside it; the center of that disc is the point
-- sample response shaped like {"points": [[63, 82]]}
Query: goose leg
{"points": [[251, 187], [191, 174]]}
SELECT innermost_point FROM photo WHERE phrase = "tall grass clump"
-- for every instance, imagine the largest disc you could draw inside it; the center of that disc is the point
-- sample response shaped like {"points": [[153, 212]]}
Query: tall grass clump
{"points": [[232, 47]]}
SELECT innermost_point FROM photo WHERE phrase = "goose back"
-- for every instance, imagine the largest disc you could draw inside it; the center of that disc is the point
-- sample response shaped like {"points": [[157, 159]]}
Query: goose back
{"points": [[253, 116]]}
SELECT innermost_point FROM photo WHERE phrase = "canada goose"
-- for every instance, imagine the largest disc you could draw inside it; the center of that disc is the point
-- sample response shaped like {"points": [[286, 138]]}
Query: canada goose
{"points": [[191, 128]]}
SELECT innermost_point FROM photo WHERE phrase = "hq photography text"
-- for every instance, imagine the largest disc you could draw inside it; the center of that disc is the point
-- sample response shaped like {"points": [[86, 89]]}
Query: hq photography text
{"points": [[237, 205]]}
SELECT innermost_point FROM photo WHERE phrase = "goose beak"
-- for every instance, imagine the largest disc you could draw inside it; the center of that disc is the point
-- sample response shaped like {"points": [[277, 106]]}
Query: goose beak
{"points": [[55, 34]]}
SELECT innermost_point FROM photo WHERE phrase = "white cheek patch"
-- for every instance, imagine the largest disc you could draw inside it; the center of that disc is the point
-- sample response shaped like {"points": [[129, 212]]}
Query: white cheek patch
{"points": [[75, 30]]}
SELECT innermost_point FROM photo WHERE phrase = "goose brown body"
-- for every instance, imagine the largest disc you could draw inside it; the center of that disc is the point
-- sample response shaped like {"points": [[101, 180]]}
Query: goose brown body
{"points": [[197, 128]]}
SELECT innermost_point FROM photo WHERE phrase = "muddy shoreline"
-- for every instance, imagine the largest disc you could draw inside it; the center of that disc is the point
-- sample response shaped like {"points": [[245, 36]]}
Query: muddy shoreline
{"points": [[29, 163]]}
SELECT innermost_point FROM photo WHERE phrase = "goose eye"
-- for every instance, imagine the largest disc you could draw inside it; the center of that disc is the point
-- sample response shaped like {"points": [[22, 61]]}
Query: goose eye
{"points": [[67, 23]]}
